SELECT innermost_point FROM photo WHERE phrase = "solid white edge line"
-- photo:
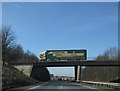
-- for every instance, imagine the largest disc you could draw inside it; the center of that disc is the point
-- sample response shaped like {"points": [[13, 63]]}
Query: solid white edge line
{"points": [[86, 86]]}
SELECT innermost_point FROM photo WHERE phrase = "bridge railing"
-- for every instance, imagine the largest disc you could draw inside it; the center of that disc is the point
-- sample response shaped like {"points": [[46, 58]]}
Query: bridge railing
{"points": [[68, 63], [23, 61]]}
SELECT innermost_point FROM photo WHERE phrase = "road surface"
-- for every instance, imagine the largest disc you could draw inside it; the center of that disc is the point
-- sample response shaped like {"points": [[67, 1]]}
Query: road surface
{"points": [[61, 86]]}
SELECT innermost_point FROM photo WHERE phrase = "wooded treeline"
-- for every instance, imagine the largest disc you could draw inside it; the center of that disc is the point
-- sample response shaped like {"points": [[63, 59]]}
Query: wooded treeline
{"points": [[104, 73], [11, 51]]}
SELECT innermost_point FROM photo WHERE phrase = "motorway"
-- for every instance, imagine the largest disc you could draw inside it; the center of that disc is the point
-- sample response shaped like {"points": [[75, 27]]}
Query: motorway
{"points": [[62, 86]]}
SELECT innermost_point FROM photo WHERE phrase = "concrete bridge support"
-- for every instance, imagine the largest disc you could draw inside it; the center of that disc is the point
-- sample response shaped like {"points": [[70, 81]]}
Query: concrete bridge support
{"points": [[78, 73], [75, 72]]}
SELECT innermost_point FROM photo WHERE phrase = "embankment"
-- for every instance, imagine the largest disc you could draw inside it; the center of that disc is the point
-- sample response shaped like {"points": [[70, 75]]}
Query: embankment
{"points": [[12, 77], [101, 74]]}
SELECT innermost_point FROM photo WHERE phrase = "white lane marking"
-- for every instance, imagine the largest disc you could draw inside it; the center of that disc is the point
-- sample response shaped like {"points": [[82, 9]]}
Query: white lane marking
{"points": [[85, 86], [60, 85], [34, 87], [89, 87], [38, 86]]}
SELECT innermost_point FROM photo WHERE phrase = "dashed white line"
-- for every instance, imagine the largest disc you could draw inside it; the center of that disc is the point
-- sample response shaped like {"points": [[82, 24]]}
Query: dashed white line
{"points": [[38, 86], [89, 87], [34, 87]]}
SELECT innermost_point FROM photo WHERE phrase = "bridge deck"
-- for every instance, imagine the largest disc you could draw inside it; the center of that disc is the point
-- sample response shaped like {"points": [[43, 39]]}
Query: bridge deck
{"points": [[71, 63]]}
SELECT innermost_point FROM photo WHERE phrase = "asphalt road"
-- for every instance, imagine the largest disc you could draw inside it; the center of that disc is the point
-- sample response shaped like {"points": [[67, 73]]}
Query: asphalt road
{"points": [[61, 86]]}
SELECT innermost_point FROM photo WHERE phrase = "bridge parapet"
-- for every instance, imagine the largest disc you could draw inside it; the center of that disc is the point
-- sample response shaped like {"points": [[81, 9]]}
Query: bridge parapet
{"points": [[69, 63]]}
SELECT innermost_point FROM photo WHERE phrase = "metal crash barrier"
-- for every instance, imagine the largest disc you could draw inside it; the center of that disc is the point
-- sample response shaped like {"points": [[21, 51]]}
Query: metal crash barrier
{"points": [[109, 85]]}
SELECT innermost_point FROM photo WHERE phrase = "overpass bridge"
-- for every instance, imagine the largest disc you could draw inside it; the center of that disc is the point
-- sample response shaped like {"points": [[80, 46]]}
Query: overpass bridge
{"points": [[70, 63], [76, 64]]}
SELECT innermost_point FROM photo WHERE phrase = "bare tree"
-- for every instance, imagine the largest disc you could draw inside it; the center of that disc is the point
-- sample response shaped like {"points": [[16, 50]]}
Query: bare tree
{"points": [[19, 51], [7, 40], [111, 53], [11, 51]]}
